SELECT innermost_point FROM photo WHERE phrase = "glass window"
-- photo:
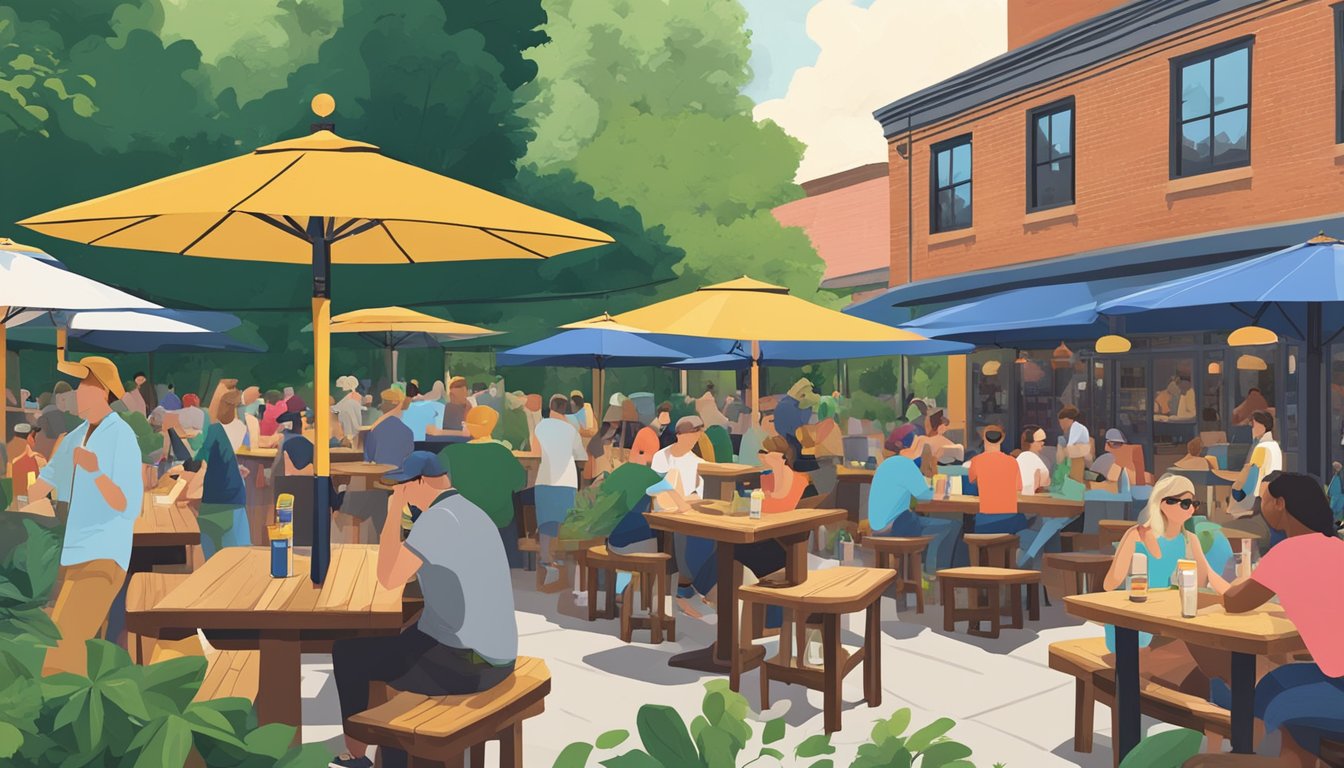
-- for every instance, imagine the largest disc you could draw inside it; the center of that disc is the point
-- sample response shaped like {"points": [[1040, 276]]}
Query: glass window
{"points": [[1211, 129], [1050, 176], [990, 374], [951, 204], [1175, 410]]}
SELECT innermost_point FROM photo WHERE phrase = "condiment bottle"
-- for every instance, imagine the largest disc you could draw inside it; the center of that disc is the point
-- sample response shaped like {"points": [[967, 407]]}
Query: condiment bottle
{"points": [[1189, 594], [757, 500], [1138, 578]]}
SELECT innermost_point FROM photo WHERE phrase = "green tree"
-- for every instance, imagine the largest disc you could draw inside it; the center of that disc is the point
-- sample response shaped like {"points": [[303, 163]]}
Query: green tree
{"points": [[643, 101]]}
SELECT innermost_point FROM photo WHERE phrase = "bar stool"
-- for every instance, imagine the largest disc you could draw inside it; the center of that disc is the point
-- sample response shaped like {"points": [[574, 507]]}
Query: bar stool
{"points": [[905, 555]]}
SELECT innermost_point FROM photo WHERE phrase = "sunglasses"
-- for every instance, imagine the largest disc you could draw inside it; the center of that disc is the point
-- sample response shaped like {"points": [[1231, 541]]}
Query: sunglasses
{"points": [[1183, 503]]}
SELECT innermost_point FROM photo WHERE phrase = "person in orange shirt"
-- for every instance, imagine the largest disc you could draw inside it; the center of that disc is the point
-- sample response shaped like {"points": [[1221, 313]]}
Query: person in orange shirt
{"points": [[648, 440], [997, 476], [783, 487]]}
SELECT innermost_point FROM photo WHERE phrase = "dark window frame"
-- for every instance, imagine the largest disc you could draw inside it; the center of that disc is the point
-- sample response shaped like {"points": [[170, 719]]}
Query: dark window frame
{"points": [[1338, 9], [1033, 163], [1177, 122], [948, 145]]}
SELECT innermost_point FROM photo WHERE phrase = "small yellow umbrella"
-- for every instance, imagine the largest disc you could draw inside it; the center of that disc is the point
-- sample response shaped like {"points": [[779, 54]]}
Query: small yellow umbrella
{"points": [[320, 200], [750, 310], [394, 327]]}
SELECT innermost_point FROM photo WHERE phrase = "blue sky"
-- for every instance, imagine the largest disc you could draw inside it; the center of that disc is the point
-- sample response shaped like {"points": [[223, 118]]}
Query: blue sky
{"points": [[779, 44]]}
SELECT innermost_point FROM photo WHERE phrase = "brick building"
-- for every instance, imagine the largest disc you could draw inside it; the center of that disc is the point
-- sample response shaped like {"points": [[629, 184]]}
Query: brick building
{"points": [[847, 217], [1121, 141]]}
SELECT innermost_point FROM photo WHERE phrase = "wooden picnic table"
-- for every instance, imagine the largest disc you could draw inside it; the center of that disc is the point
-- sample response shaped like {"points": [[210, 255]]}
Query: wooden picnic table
{"points": [[269, 454], [721, 477], [236, 601], [710, 520], [1036, 504], [1262, 632], [162, 533]]}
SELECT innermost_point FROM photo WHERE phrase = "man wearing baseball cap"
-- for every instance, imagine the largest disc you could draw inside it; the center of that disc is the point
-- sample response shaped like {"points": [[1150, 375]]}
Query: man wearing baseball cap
{"points": [[466, 639], [96, 471]]}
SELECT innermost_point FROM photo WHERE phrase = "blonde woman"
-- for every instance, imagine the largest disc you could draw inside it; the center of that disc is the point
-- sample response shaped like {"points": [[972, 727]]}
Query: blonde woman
{"points": [[1161, 537]]}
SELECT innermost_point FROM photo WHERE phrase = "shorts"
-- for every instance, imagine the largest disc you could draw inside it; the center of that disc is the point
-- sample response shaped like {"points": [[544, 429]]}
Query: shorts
{"points": [[553, 503]]}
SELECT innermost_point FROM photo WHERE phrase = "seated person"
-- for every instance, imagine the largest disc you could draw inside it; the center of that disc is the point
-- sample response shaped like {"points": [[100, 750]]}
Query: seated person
{"points": [[1108, 467], [896, 482], [24, 460], [1254, 401], [295, 458], [999, 480], [680, 487], [466, 639], [1194, 458], [783, 487], [944, 449], [1305, 700], [1035, 475]]}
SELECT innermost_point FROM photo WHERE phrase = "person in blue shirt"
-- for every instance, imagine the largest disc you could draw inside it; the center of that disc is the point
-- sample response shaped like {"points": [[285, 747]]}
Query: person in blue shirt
{"points": [[97, 472], [390, 441], [896, 482], [424, 411], [223, 512]]}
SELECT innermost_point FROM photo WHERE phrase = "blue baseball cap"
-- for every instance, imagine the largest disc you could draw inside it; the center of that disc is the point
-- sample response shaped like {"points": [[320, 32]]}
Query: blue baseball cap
{"points": [[419, 464]]}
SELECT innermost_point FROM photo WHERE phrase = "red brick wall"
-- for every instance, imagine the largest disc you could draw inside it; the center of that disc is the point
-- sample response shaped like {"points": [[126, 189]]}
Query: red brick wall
{"points": [[1123, 191], [848, 226], [1030, 20]]}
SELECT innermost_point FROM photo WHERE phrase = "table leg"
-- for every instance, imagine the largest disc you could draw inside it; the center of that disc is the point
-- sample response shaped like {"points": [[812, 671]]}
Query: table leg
{"points": [[718, 658], [832, 674], [1127, 690], [872, 656], [278, 696], [795, 558], [1243, 703]]}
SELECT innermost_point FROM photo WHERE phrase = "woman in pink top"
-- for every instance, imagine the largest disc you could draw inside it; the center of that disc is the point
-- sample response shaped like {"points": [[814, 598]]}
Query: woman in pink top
{"points": [[1305, 570]]}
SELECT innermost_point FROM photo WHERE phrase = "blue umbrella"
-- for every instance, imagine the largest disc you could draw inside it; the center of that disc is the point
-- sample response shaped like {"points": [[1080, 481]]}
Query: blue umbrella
{"points": [[1287, 290], [596, 348]]}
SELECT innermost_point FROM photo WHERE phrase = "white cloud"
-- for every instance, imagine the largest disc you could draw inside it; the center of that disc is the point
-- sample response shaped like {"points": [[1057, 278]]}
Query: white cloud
{"points": [[871, 57]]}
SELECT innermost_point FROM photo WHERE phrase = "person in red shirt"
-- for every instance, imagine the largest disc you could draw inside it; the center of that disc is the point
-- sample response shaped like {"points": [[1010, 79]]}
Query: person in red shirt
{"points": [[997, 476], [782, 486], [647, 440]]}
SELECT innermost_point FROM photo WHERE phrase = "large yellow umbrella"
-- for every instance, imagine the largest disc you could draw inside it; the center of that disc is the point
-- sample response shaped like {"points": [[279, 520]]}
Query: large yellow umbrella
{"points": [[750, 310], [395, 327], [320, 200]]}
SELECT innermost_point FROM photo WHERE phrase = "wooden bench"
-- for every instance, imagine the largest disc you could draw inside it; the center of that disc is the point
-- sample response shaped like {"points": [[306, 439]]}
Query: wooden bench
{"points": [[984, 585], [438, 730], [996, 550], [1089, 662], [649, 581], [904, 555], [831, 593], [1088, 569], [231, 673], [1109, 533]]}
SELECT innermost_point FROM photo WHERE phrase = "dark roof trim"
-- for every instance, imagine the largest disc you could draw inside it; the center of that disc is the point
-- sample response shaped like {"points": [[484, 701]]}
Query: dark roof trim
{"points": [[848, 178], [1120, 261], [868, 278], [1071, 49]]}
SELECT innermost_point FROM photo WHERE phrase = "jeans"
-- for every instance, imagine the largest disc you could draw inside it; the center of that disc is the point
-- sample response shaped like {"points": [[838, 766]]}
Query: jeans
{"points": [[1034, 539], [1300, 698], [223, 527], [1013, 523], [944, 533], [411, 662]]}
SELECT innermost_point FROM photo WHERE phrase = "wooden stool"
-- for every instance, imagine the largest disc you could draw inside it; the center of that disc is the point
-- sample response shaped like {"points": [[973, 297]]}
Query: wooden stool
{"points": [[1109, 533], [649, 580], [830, 593], [905, 555], [985, 580], [1088, 569], [996, 550]]}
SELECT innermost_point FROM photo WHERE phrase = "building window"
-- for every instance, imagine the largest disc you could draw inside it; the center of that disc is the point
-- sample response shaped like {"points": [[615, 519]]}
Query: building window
{"points": [[1339, 74], [951, 176], [1211, 110], [1050, 149]]}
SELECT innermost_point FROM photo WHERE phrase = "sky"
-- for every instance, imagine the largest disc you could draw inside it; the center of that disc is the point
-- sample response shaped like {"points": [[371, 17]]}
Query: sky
{"points": [[823, 66]]}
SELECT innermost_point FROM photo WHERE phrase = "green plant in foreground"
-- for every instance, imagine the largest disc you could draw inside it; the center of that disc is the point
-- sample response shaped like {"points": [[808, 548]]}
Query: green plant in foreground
{"points": [[720, 734]]}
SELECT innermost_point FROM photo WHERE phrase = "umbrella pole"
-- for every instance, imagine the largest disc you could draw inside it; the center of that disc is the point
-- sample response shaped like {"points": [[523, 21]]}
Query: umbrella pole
{"points": [[62, 336], [321, 555], [756, 382], [4, 370]]}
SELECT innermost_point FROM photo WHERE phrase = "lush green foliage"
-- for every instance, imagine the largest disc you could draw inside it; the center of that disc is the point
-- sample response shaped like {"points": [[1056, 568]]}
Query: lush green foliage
{"points": [[720, 736], [1169, 749], [119, 713]]}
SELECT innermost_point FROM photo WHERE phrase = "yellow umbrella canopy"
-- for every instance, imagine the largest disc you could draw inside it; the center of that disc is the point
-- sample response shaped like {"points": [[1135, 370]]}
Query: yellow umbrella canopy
{"points": [[319, 199], [751, 310], [393, 327]]}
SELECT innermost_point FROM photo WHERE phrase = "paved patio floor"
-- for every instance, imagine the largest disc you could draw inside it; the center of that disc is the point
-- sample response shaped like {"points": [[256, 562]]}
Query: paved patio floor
{"points": [[1010, 707]]}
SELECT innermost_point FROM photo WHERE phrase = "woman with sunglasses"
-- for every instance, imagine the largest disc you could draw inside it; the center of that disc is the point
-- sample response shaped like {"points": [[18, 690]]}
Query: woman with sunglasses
{"points": [[1161, 537]]}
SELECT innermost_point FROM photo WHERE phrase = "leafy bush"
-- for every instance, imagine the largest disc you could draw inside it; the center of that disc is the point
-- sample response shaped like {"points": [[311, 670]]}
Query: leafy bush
{"points": [[119, 713], [1169, 749], [720, 734]]}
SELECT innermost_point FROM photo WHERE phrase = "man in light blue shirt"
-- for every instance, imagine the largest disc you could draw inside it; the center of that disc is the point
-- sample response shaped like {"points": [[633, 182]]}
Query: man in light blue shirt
{"points": [[895, 483], [97, 472]]}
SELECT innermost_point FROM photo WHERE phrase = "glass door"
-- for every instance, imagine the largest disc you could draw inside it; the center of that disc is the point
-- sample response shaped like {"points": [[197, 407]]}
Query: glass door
{"points": [[1175, 409], [1133, 403]]}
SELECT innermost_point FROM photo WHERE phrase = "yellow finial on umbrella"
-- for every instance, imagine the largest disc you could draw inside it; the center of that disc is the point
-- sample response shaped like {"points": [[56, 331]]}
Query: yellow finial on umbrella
{"points": [[323, 104]]}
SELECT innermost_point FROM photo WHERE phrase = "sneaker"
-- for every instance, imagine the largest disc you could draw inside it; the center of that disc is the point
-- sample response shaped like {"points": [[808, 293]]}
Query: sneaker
{"points": [[350, 761]]}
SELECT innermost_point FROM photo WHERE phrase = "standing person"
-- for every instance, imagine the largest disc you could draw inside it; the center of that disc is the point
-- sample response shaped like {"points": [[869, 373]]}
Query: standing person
{"points": [[223, 509], [488, 474], [454, 416], [557, 482], [1305, 700], [649, 440], [147, 392], [24, 460], [96, 471], [898, 481], [425, 411], [1266, 459], [350, 408], [1075, 442], [466, 639], [997, 476], [1035, 475]]}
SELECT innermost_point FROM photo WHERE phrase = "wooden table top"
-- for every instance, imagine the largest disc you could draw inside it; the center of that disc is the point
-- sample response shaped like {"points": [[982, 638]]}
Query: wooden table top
{"points": [[1039, 504], [1264, 631], [1233, 534], [711, 521], [531, 456], [1078, 561], [165, 525], [360, 469], [235, 590], [843, 472], [728, 470], [844, 589], [343, 454]]}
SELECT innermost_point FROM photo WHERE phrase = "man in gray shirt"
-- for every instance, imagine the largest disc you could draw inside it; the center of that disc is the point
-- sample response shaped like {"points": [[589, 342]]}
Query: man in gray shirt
{"points": [[466, 639]]}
